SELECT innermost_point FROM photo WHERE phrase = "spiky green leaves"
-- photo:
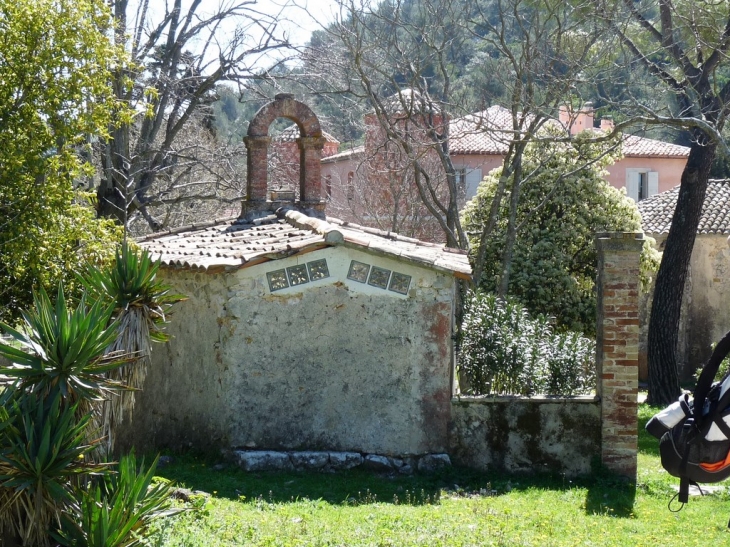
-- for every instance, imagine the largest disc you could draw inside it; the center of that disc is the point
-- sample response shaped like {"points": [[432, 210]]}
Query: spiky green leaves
{"points": [[132, 282], [64, 349], [116, 509], [41, 451]]}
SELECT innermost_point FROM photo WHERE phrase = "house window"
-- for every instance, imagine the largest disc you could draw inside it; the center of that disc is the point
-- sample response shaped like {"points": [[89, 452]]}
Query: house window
{"points": [[641, 183], [328, 186], [350, 186], [460, 179]]}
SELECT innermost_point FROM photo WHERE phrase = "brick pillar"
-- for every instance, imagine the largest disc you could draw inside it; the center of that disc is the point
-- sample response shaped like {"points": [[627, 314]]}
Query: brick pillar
{"points": [[310, 178], [617, 348], [257, 149]]}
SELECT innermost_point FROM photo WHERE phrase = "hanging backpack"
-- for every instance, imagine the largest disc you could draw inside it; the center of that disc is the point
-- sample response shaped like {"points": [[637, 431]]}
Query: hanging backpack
{"points": [[694, 432]]}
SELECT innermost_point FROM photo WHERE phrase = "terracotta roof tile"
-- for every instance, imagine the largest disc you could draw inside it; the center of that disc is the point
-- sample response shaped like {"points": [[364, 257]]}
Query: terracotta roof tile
{"points": [[485, 132], [657, 211], [642, 147], [352, 153], [291, 133], [490, 131], [228, 244]]}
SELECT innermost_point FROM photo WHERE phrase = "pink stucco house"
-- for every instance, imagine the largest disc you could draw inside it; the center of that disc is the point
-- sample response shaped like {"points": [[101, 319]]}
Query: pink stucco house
{"points": [[479, 141]]}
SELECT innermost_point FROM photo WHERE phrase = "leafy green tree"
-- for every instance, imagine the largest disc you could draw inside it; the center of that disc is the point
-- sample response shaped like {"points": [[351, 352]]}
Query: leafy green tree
{"points": [[54, 93], [683, 46], [564, 201]]}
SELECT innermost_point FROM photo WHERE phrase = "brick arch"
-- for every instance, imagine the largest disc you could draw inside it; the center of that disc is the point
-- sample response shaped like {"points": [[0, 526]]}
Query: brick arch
{"points": [[310, 145], [285, 106]]}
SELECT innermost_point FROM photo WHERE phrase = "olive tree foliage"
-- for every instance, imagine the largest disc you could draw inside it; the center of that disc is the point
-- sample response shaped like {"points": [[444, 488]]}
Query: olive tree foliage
{"points": [[564, 201], [167, 155], [55, 65], [683, 49]]}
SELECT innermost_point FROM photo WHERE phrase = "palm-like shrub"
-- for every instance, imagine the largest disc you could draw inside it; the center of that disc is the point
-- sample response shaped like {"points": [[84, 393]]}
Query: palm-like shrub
{"points": [[141, 303], [116, 509], [64, 350], [41, 454], [59, 373]]}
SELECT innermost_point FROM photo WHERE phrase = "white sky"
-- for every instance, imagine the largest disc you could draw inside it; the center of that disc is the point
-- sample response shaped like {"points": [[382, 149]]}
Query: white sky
{"points": [[301, 17], [297, 18]]}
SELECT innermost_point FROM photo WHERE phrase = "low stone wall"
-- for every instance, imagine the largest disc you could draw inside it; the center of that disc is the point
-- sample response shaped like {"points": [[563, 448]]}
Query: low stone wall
{"points": [[271, 460], [517, 434]]}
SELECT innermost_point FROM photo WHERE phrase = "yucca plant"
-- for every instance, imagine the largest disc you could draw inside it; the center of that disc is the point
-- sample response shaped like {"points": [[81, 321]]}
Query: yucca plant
{"points": [[116, 509], [42, 448], [141, 304], [64, 350]]}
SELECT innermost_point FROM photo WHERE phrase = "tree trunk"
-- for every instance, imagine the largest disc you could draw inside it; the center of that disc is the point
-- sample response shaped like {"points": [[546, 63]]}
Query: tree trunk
{"points": [[666, 307], [509, 246]]}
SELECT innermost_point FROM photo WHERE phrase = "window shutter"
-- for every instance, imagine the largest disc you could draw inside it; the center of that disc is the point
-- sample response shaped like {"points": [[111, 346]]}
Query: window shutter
{"points": [[653, 183], [632, 184], [473, 178]]}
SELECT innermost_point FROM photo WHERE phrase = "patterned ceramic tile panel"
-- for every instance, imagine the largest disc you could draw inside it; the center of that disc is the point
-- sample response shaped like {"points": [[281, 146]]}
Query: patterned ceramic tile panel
{"points": [[277, 280], [318, 270], [400, 283], [379, 277], [358, 271], [298, 275]]}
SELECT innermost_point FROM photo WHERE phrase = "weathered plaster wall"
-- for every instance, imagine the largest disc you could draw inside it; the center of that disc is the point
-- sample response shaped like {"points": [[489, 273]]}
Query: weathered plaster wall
{"points": [[518, 434], [705, 311], [332, 364]]}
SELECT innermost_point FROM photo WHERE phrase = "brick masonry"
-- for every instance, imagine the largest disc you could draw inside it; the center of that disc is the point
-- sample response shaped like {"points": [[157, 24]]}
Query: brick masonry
{"points": [[257, 145], [617, 348]]}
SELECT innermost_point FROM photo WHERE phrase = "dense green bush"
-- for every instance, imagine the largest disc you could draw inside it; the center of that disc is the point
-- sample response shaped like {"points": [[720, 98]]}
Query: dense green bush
{"points": [[505, 351], [564, 201]]}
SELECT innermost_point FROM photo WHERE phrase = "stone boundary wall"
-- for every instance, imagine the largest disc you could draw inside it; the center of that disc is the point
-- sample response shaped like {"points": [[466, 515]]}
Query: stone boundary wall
{"points": [[526, 434], [569, 435], [272, 460]]}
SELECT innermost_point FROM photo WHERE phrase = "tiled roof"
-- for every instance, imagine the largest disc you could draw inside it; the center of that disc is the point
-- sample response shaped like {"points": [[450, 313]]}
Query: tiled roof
{"points": [[352, 153], [657, 211], [490, 131], [291, 133], [485, 132], [225, 244], [642, 147]]}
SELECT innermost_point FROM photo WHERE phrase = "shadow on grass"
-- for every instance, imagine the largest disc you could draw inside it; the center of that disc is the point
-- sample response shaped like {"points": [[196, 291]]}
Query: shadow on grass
{"points": [[610, 495], [606, 494], [647, 444]]}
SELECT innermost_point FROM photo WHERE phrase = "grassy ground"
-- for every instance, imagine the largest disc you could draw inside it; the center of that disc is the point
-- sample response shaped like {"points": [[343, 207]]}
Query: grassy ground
{"points": [[457, 508]]}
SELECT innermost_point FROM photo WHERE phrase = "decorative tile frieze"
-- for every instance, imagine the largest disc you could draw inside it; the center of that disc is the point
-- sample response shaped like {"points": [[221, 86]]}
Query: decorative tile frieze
{"points": [[277, 280], [297, 275], [358, 271], [374, 276], [399, 283], [379, 277]]}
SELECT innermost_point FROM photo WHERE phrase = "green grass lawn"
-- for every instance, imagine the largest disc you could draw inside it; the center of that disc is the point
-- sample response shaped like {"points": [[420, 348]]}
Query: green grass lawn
{"points": [[456, 508]]}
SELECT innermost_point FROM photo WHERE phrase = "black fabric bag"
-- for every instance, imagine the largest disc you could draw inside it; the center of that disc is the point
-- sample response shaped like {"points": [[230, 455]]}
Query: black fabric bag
{"points": [[694, 432]]}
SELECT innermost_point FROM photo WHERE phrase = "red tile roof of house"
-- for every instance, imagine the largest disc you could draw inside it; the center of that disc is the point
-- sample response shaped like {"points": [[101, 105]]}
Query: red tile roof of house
{"points": [[485, 132], [351, 153], [291, 134], [642, 147], [658, 210], [226, 244], [490, 131]]}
